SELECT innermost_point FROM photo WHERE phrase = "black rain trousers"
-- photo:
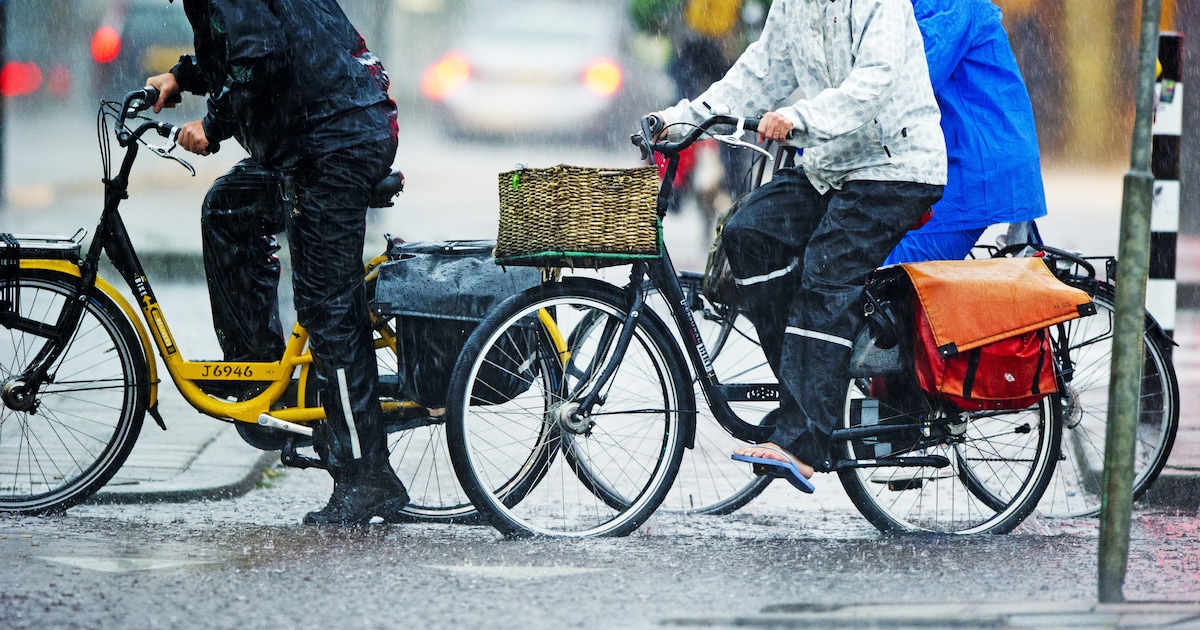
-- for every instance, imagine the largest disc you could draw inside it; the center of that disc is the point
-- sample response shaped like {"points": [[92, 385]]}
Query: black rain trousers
{"points": [[322, 200], [801, 261]]}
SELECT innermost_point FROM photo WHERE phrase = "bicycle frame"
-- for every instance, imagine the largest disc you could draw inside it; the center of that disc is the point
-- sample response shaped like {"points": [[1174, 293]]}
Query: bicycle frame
{"points": [[661, 272], [663, 276], [112, 239]]}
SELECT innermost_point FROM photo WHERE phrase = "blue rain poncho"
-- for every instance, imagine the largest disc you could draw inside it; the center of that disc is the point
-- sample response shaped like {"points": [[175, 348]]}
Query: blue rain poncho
{"points": [[995, 173]]}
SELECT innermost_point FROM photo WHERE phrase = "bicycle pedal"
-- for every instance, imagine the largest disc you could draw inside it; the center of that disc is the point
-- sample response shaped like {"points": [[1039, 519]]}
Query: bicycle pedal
{"points": [[289, 457], [766, 471], [905, 484]]}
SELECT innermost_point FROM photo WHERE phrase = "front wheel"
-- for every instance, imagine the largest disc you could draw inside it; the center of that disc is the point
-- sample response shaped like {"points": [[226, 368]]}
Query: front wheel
{"points": [[62, 442], [528, 456]]}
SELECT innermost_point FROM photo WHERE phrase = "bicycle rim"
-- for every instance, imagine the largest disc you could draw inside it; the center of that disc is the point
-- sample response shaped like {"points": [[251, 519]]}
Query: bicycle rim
{"points": [[999, 464], [86, 418], [525, 461], [1076, 487]]}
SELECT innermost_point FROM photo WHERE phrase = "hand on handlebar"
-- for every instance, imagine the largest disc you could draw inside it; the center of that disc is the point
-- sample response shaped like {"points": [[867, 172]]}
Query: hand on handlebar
{"points": [[168, 91], [192, 138], [774, 127]]}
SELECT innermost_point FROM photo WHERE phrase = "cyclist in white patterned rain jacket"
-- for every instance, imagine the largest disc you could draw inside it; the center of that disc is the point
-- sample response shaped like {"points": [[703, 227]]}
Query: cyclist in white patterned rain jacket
{"points": [[847, 79]]}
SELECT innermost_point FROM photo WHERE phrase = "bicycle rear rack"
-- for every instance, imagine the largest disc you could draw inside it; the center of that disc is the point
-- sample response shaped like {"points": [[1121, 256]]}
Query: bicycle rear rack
{"points": [[15, 247], [10, 273]]}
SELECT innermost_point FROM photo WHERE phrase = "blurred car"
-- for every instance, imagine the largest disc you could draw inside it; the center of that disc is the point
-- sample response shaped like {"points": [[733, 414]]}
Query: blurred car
{"points": [[35, 70], [137, 39], [540, 67]]}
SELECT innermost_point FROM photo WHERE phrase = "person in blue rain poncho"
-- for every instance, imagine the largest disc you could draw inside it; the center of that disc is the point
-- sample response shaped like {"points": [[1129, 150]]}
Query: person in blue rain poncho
{"points": [[994, 172]]}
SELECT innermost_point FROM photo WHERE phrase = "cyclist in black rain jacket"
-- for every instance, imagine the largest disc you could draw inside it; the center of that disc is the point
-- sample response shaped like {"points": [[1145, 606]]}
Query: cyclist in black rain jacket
{"points": [[293, 82]]}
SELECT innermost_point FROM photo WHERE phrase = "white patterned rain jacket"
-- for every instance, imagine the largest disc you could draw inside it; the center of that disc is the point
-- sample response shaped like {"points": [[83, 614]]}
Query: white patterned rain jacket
{"points": [[851, 75]]}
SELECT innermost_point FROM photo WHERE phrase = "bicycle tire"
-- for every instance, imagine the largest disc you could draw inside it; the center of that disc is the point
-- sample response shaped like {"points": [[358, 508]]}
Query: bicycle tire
{"points": [[709, 482], [87, 417], [617, 465], [1076, 488], [1000, 464]]}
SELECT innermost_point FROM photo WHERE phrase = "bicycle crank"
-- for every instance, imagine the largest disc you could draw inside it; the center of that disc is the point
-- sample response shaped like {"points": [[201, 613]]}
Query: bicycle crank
{"points": [[272, 422]]}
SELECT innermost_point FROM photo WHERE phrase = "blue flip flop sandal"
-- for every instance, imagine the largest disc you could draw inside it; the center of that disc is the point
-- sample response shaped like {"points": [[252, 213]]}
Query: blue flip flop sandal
{"points": [[776, 468]]}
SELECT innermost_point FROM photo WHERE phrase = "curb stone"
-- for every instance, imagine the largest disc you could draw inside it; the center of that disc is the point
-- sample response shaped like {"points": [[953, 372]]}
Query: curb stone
{"points": [[963, 615], [224, 468]]}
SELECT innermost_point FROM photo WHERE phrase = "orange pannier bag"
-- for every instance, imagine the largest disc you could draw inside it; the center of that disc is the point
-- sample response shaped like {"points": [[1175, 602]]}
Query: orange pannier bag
{"points": [[981, 337]]}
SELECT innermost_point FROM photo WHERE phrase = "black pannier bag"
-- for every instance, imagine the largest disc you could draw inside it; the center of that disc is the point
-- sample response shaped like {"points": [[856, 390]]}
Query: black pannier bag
{"points": [[438, 292]]}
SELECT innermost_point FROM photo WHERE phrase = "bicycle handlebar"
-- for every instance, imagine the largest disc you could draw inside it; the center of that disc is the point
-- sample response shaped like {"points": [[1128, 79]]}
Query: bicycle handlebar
{"points": [[139, 101], [652, 126]]}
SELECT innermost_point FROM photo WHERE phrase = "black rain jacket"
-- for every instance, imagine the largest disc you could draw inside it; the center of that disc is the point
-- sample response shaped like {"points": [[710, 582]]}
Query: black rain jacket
{"points": [[284, 77]]}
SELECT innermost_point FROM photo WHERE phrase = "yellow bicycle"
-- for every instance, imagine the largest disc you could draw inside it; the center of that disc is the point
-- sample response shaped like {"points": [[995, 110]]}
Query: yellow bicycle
{"points": [[78, 371]]}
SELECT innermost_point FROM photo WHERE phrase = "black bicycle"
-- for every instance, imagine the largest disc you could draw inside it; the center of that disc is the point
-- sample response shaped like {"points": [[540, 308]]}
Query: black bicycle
{"points": [[710, 484], [594, 443]]}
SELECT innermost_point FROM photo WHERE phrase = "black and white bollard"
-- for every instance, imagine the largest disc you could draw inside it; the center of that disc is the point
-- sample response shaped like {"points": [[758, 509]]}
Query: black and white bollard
{"points": [[1164, 217]]}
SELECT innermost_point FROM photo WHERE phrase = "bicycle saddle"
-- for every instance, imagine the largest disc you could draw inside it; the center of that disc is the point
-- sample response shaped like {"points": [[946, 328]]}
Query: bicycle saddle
{"points": [[386, 189]]}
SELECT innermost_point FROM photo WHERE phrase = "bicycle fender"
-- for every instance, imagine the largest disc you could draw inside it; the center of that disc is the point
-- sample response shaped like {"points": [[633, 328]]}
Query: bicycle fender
{"points": [[1151, 325], [70, 268]]}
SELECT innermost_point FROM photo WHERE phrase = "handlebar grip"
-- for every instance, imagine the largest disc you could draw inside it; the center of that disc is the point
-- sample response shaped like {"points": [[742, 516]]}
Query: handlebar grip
{"points": [[149, 96], [654, 124]]}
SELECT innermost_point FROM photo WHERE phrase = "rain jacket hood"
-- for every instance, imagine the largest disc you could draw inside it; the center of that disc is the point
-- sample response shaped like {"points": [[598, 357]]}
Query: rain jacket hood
{"points": [[273, 80], [852, 77]]}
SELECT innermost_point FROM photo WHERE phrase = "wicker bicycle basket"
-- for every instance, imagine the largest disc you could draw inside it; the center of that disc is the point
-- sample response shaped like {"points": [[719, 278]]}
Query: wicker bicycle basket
{"points": [[574, 216]]}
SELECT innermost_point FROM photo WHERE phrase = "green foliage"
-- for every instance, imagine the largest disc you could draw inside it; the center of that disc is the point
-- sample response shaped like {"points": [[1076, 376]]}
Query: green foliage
{"points": [[652, 15]]}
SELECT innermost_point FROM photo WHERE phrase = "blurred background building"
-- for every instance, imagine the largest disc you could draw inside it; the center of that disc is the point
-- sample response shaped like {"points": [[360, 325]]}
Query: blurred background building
{"points": [[1078, 57]]}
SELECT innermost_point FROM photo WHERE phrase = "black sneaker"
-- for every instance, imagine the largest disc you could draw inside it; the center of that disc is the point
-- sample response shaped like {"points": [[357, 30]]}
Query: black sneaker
{"points": [[358, 503]]}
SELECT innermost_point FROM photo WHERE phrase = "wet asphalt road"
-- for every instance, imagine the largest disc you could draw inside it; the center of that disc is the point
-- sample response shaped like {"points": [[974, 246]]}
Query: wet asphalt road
{"points": [[247, 562]]}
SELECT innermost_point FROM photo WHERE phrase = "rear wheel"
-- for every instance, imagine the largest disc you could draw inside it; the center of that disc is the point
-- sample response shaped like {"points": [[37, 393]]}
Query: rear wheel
{"points": [[62, 442], [421, 457], [416, 441], [996, 464], [531, 462]]}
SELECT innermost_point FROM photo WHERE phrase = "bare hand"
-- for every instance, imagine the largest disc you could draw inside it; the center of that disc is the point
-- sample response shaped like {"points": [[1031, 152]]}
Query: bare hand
{"points": [[168, 90], [193, 138], [774, 126]]}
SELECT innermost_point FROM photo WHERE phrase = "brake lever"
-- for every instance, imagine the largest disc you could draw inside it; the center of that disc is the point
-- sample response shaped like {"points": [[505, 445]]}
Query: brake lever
{"points": [[735, 139], [164, 151]]}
